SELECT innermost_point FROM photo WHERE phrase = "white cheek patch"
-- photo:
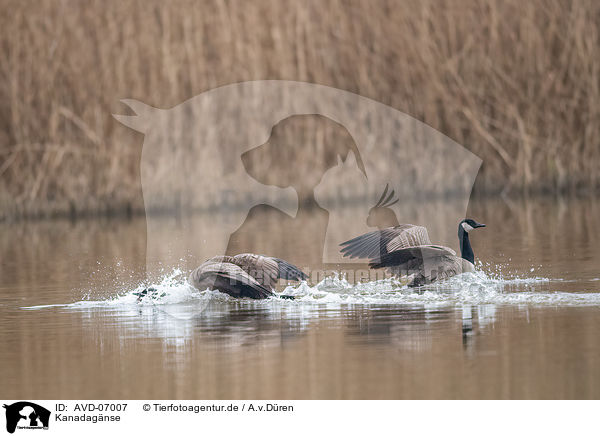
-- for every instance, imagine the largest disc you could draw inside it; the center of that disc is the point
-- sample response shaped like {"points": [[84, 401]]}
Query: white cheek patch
{"points": [[467, 227]]}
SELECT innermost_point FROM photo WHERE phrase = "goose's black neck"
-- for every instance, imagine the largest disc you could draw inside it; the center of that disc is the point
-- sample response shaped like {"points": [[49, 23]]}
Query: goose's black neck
{"points": [[466, 251]]}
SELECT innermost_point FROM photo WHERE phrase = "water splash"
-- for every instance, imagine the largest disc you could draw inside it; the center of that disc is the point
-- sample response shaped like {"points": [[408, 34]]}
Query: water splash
{"points": [[476, 288]]}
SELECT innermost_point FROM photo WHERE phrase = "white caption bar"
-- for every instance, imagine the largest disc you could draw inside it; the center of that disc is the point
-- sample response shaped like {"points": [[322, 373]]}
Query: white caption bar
{"points": [[282, 417]]}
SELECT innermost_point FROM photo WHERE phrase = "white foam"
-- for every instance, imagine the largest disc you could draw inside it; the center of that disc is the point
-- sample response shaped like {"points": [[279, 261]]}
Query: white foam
{"points": [[477, 288], [469, 288]]}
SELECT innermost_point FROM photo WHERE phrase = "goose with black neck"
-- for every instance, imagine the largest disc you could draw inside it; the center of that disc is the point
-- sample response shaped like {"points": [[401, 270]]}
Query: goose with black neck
{"points": [[407, 252]]}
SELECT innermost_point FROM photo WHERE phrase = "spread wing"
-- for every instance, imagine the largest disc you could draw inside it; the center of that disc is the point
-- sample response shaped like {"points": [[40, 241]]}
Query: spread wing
{"points": [[406, 255], [374, 245]]}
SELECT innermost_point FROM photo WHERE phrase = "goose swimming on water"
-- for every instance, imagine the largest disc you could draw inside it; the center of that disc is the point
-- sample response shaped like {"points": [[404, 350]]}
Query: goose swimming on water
{"points": [[406, 250], [244, 275]]}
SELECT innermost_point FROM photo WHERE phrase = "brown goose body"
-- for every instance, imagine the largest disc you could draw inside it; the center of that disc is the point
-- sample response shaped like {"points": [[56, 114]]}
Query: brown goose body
{"points": [[406, 251], [244, 275], [424, 264]]}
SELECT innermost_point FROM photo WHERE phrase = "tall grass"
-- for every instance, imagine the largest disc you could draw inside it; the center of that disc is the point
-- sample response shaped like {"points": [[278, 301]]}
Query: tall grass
{"points": [[517, 82]]}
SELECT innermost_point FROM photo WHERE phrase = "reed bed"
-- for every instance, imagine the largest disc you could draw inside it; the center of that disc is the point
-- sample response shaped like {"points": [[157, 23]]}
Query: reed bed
{"points": [[517, 83]]}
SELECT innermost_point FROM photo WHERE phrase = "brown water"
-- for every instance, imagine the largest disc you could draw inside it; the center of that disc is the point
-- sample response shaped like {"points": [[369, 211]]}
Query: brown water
{"points": [[526, 326]]}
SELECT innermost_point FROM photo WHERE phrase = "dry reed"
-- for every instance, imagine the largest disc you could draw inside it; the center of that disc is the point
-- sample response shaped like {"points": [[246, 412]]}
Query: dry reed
{"points": [[515, 82]]}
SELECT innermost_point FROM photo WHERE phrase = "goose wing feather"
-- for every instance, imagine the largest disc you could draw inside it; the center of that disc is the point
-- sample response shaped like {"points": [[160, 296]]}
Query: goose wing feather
{"points": [[266, 270], [406, 255], [287, 271], [374, 245], [228, 278]]}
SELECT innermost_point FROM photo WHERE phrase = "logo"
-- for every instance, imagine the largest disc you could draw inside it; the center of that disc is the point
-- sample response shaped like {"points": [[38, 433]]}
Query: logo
{"points": [[26, 415]]}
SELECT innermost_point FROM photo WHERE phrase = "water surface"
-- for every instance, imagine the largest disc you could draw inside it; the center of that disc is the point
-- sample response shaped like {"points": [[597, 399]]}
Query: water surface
{"points": [[523, 326]]}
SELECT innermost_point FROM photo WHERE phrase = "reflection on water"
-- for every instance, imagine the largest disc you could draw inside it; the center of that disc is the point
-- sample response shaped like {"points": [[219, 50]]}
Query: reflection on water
{"points": [[524, 327]]}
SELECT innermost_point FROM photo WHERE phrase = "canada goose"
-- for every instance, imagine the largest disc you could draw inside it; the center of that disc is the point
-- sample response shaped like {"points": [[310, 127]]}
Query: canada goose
{"points": [[407, 251], [244, 275]]}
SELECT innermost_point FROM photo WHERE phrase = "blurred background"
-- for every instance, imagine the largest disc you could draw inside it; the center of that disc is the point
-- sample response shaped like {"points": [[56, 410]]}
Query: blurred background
{"points": [[514, 82]]}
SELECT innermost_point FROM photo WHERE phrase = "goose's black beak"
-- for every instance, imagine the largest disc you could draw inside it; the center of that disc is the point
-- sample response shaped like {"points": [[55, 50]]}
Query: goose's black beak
{"points": [[477, 225]]}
